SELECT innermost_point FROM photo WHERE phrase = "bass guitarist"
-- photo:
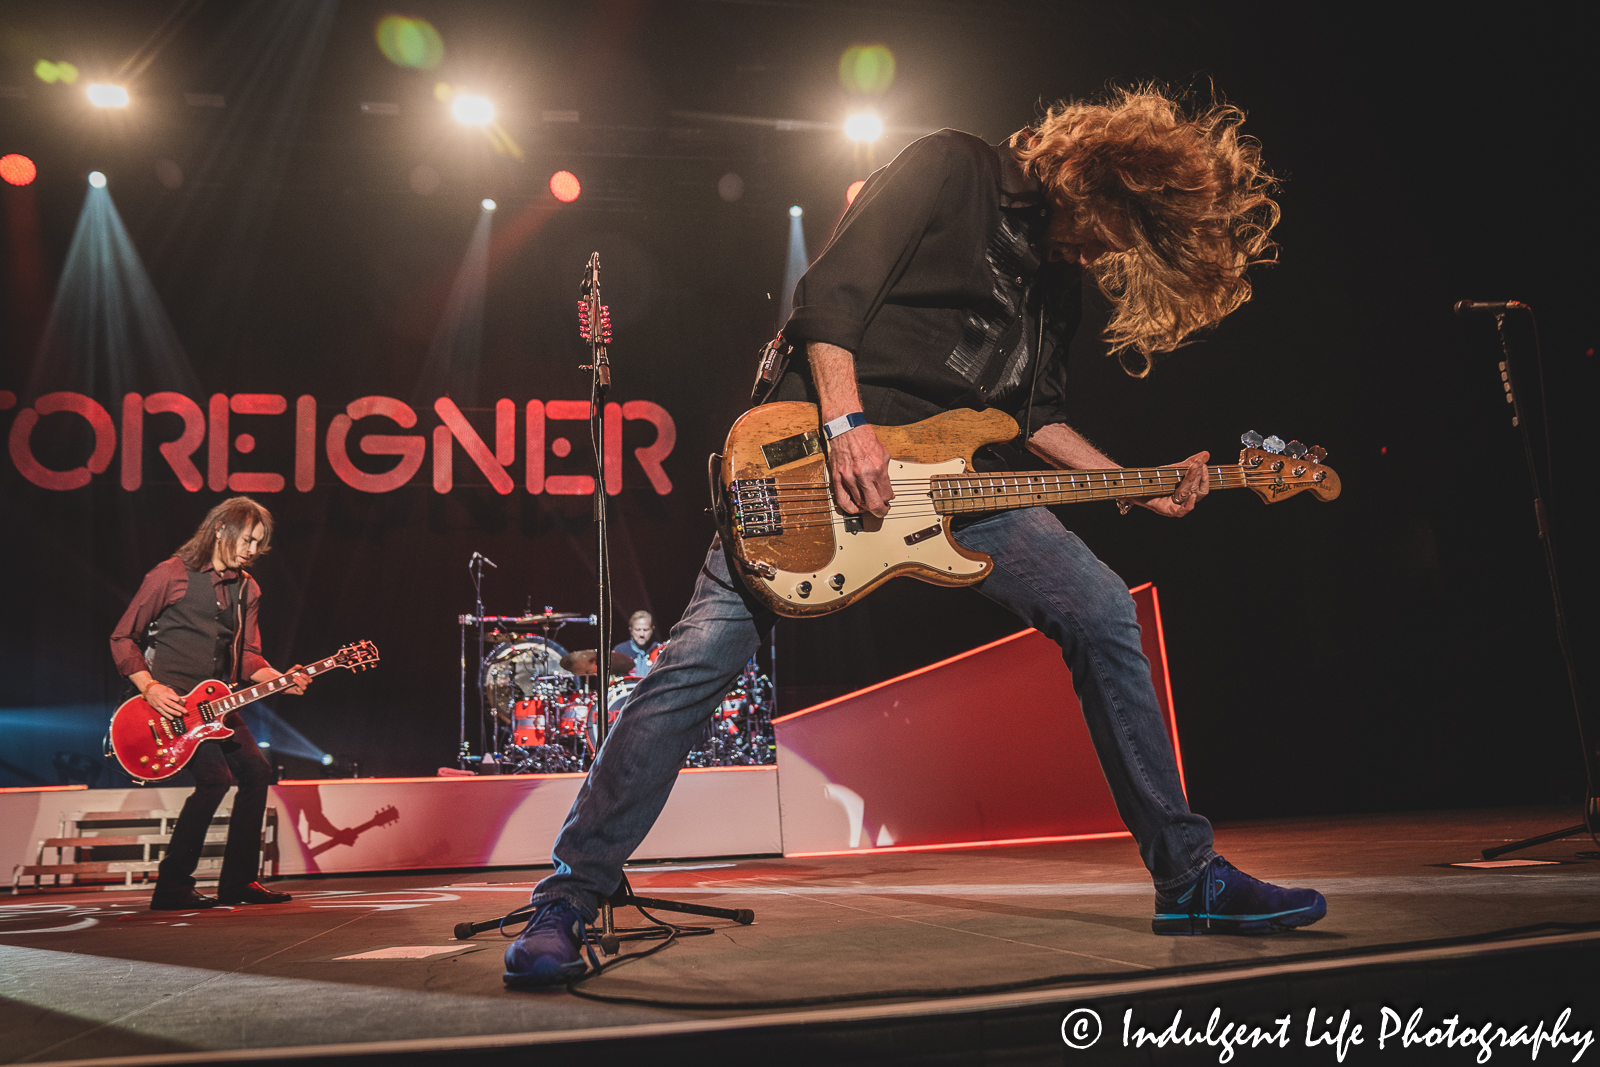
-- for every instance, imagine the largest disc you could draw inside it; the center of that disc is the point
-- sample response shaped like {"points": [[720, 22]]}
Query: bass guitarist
{"points": [[954, 280], [194, 619]]}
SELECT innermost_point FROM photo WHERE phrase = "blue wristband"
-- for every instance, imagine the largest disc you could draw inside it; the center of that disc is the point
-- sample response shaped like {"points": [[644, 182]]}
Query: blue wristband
{"points": [[844, 424]]}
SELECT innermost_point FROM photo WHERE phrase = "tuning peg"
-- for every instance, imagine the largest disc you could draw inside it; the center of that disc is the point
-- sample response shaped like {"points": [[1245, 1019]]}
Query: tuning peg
{"points": [[1317, 453], [1295, 450], [1251, 439], [1273, 444]]}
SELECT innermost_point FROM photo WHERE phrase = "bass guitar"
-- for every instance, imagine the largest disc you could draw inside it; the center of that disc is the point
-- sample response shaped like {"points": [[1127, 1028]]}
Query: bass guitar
{"points": [[801, 556], [152, 746]]}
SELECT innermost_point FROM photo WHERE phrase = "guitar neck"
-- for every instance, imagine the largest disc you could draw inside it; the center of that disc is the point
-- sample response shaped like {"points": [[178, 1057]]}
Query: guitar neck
{"points": [[242, 697], [957, 493]]}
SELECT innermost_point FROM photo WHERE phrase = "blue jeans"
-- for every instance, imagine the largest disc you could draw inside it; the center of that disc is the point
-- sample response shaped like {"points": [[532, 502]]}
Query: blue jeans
{"points": [[1043, 572]]}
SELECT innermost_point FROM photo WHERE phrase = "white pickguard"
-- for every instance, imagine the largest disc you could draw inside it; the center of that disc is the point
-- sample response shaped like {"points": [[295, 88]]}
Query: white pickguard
{"points": [[863, 554]]}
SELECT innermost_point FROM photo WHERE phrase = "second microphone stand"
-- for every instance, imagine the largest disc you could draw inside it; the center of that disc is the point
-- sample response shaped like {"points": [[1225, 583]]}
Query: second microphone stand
{"points": [[1546, 541]]}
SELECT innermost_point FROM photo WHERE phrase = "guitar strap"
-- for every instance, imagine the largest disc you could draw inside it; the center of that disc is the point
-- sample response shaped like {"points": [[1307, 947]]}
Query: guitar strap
{"points": [[238, 629]]}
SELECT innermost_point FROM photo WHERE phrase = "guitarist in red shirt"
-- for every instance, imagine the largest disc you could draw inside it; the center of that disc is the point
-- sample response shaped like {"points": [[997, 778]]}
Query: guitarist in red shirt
{"points": [[194, 619]]}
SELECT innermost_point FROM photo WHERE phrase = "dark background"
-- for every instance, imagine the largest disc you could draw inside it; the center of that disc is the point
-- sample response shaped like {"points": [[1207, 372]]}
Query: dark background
{"points": [[1392, 649]]}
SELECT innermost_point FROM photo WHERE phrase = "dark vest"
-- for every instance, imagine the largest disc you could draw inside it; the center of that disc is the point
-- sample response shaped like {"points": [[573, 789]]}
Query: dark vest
{"points": [[192, 641]]}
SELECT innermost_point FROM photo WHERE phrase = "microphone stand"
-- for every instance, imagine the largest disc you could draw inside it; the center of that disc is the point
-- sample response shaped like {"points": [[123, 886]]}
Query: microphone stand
{"points": [[594, 320], [1545, 542]]}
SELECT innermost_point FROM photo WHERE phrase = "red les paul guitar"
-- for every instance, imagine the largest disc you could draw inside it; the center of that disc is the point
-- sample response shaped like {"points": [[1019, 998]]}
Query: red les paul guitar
{"points": [[151, 746]]}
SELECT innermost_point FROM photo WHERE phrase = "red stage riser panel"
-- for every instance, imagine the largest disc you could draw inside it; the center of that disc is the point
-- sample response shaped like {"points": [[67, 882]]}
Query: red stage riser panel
{"points": [[340, 825], [986, 746]]}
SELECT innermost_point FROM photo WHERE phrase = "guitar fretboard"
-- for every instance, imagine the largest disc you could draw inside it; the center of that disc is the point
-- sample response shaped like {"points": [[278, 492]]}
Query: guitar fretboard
{"points": [[242, 697], [955, 493]]}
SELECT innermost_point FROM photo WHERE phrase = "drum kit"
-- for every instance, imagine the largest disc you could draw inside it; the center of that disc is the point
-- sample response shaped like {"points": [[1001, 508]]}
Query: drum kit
{"points": [[542, 700]]}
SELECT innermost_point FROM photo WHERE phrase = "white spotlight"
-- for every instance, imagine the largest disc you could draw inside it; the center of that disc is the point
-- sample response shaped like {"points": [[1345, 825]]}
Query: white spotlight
{"points": [[795, 212], [472, 110], [103, 95], [97, 179], [327, 759], [489, 205], [863, 127]]}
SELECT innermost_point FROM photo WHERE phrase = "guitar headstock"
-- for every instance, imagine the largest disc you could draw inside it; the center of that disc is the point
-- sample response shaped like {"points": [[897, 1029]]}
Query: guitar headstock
{"points": [[1277, 470], [385, 816], [357, 657]]}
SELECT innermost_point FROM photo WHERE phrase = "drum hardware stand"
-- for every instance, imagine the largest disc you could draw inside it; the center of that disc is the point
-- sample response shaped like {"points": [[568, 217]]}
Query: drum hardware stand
{"points": [[1591, 805], [475, 569]]}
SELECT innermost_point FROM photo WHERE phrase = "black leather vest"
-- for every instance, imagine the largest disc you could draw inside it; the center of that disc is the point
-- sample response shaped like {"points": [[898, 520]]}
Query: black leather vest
{"points": [[192, 640]]}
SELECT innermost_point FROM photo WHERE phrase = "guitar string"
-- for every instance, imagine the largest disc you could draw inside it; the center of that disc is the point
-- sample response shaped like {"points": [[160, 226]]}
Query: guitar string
{"points": [[817, 491], [986, 502], [1126, 474], [924, 507], [958, 484], [948, 483]]}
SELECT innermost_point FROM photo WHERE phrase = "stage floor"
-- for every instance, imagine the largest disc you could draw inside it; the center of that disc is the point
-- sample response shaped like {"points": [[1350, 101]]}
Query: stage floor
{"points": [[95, 975]]}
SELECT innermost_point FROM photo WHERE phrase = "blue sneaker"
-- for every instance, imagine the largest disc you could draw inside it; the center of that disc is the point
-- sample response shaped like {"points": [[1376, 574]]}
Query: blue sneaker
{"points": [[1225, 900], [549, 951]]}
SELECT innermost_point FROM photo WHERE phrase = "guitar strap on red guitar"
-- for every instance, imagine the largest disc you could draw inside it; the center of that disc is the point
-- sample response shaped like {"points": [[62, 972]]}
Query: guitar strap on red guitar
{"points": [[238, 630]]}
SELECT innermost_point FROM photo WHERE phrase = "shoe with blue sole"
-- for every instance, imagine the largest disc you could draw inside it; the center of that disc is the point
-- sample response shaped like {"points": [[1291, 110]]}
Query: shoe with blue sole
{"points": [[550, 950], [1225, 900]]}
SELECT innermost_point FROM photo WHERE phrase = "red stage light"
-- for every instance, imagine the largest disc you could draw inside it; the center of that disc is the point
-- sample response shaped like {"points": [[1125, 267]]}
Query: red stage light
{"points": [[564, 186], [850, 193], [18, 170]]}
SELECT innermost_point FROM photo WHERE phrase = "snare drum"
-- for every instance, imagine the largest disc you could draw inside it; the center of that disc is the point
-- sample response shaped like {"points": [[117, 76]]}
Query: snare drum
{"points": [[572, 715]]}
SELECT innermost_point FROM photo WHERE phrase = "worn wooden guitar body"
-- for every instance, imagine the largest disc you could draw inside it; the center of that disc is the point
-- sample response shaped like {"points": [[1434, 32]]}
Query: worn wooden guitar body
{"points": [[800, 555], [822, 559]]}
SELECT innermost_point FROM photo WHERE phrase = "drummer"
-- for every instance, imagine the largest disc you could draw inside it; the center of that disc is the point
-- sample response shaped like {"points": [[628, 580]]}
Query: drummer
{"points": [[640, 643]]}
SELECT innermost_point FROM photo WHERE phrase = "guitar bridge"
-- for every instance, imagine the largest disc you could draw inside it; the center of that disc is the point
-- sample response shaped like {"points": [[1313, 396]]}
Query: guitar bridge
{"points": [[755, 508]]}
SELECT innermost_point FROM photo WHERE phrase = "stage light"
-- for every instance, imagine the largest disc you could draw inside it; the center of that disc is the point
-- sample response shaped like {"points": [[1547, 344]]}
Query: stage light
{"points": [[472, 110], [863, 127], [17, 170], [103, 95], [489, 205], [564, 186], [794, 264], [410, 42], [263, 744], [50, 73], [327, 759], [97, 179], [850, 193], [866, 68]]}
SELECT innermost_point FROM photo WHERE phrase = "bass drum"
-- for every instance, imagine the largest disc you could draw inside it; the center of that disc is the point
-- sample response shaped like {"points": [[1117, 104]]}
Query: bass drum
{"points": [[512, 669]]}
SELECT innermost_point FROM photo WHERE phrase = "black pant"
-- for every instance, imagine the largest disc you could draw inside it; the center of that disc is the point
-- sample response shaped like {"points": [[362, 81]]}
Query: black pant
{"points": [[217, 766]]}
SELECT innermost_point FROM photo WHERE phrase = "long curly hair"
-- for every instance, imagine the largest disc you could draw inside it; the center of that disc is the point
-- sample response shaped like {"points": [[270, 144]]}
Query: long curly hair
{"points": [[1185, 195]]}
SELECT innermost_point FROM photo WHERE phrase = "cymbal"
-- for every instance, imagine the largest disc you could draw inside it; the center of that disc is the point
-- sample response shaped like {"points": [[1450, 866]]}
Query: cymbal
{"points": [[587, 661], [529, 622]]}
